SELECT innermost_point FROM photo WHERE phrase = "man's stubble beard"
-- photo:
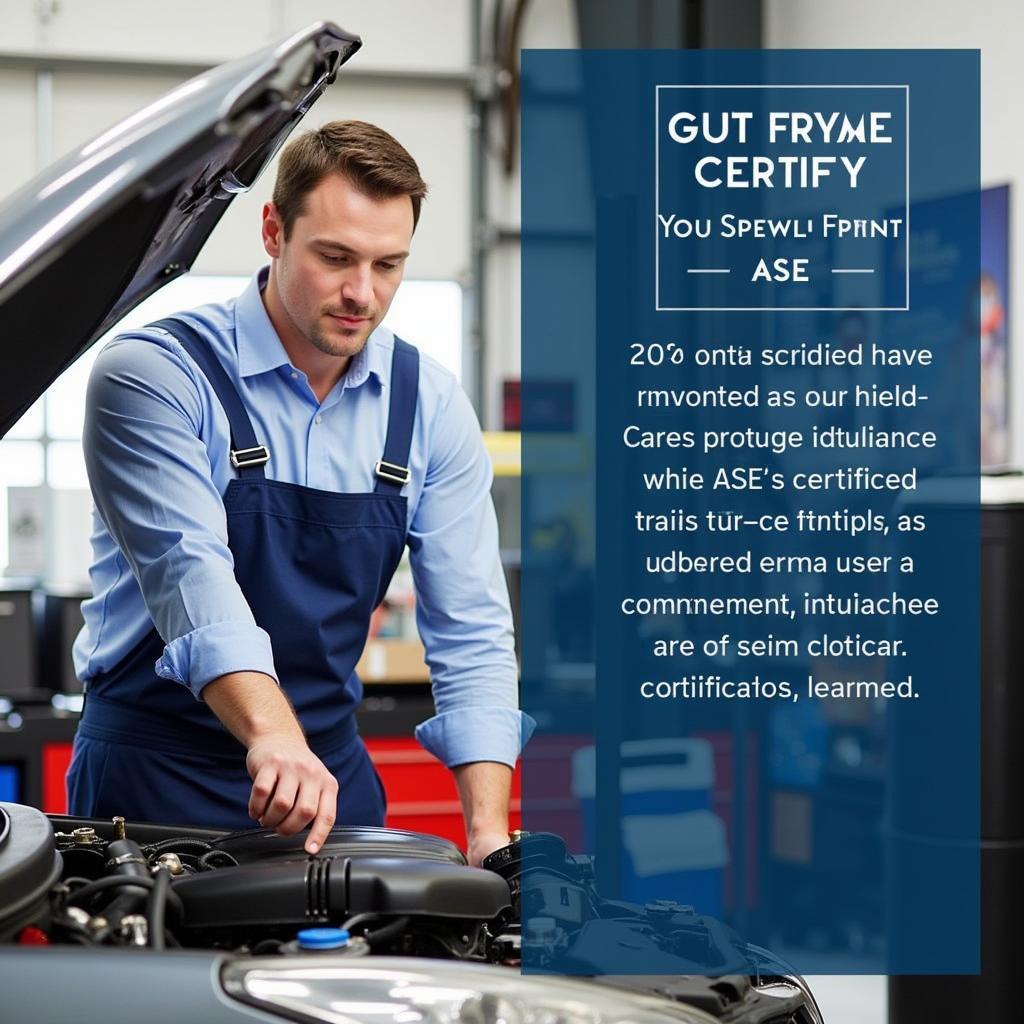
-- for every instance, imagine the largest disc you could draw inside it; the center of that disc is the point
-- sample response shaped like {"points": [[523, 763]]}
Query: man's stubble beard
{"points": [[350, 346]]}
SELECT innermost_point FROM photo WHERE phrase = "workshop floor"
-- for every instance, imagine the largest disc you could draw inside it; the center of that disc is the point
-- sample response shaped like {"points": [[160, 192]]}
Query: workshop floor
{"points": [[846, 999]]}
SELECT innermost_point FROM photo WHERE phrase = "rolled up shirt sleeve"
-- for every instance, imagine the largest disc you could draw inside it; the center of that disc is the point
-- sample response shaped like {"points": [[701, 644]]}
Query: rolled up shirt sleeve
{"points": [[150, 476], [462, 603]]}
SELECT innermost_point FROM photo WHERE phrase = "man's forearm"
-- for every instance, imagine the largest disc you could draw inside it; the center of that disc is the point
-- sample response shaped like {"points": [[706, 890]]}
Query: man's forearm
{"points": [[251, 705], [291, 785], [484, 788]]}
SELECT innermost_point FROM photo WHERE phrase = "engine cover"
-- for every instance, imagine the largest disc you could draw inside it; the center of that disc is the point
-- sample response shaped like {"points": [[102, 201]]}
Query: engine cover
{"points": [[29, 865], [264, 845], [326, 889]]}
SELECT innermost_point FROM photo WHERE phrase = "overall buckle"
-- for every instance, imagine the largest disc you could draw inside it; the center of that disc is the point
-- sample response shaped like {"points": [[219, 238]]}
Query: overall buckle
{"points": [[390, 471], [246, 457]]}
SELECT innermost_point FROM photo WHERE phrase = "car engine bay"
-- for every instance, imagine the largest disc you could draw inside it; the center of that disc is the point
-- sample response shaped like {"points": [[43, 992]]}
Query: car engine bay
{"points": [[258, 898]]}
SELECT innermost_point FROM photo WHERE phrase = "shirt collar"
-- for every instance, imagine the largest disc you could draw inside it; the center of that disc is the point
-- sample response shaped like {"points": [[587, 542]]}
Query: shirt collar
{"points": [[260, 349], [370, 361]]}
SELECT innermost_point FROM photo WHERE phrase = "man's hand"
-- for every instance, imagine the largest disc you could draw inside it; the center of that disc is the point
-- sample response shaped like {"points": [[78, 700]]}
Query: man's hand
{"points": [[291, 786], [481, 845]]}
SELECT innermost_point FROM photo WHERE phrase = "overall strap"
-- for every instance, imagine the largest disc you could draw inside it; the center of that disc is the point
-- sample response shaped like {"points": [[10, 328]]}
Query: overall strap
{"points": [[392, 468], [248, 456]]}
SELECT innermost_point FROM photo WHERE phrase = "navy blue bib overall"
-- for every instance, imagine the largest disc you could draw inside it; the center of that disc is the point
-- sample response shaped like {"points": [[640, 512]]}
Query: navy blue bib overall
{"points": [[313, 565]]}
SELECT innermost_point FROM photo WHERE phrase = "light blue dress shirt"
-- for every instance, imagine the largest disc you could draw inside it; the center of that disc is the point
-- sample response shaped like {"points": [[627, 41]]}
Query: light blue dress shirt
{"points": [[156, 445]]}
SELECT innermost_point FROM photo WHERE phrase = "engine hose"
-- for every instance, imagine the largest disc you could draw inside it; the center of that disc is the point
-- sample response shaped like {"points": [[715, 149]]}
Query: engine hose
{"points": [[110, 882], [76, 880], [370, 915], [195, 845], [206, 861], [156, 908], [387, 932], [126, 858]]}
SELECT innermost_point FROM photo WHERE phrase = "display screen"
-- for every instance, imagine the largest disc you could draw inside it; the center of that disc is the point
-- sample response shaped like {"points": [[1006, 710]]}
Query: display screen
{"points": [[10, 782]]}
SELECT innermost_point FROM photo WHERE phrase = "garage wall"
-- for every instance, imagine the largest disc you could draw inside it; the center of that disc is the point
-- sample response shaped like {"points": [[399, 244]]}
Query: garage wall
{"points": [[398, 35], [18, 116], [996, 27]]}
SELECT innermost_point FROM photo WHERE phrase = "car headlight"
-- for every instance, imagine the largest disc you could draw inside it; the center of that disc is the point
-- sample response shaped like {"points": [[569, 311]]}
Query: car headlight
{"points": [[347, 991]]}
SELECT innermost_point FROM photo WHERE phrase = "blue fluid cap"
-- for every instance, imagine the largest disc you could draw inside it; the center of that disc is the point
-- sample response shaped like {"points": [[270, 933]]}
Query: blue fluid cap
{"points": [[322, 938]]}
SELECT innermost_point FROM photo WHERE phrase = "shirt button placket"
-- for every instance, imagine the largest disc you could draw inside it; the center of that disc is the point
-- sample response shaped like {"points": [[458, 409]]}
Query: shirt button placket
{"points": [[315, 454]]}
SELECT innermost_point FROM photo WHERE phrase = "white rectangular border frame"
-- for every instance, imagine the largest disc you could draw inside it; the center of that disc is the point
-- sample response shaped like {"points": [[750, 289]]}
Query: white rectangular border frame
{"points": [[778, 309]]}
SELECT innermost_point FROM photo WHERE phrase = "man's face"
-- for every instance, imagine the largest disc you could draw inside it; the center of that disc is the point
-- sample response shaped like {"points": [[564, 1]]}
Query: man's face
{"points": [[338, 271]]}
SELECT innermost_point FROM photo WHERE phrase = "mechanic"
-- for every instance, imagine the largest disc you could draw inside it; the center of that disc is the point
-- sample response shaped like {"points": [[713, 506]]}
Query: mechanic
{"points": [[258, 467]]}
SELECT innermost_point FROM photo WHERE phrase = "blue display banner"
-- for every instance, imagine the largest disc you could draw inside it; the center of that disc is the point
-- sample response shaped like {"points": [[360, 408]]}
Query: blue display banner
{"points": [[750, 594]]}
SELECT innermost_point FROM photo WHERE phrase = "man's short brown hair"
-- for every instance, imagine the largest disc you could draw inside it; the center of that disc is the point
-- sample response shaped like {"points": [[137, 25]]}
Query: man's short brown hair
{"points": [[376, 163]]}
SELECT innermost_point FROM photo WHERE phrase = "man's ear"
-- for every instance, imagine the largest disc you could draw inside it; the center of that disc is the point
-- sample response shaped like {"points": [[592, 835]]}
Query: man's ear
{"points": [[272, 231]]}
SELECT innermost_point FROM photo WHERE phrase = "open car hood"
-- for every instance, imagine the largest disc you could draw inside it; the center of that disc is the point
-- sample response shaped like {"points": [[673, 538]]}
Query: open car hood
{"points": [[106, 226]]}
